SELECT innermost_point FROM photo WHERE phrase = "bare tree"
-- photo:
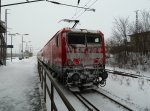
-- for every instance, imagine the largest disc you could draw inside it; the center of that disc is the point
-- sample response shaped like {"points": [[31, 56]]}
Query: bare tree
{"points": [[119, 34], [120, 29], [119, 45], [145, 21], [141, 33]]}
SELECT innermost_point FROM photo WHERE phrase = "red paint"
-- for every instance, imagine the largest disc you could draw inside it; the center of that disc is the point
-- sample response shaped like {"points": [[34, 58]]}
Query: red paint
{"points": [[57, 55], [76, 61]]}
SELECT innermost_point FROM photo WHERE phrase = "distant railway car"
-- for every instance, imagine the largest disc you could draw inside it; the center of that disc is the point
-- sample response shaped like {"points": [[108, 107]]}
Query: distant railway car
{"points": [[77, 56]]}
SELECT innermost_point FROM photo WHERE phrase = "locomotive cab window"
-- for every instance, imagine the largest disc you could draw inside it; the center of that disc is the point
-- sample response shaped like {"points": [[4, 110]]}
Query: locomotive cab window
{"points": [[93, 40], [74, 38], [84, 39]]}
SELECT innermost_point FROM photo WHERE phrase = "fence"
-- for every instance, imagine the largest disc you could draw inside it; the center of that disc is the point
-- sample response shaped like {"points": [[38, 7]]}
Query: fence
{"points": [[43, 74]]}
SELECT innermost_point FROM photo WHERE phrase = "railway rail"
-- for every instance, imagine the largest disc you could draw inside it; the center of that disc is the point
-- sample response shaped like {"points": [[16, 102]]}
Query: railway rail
{"points": [[127, 74], [115, 101], [87, 103], [91, 107]]}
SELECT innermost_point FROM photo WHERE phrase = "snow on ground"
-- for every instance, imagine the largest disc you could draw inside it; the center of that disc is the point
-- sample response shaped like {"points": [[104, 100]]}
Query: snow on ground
{"points": [[134, 90], [19, 90], [134, 93], [99, 101], [19, 86]]}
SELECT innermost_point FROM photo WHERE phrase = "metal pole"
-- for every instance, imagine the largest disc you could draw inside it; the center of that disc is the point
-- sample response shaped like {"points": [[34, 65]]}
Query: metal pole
{"points": [[22, 47], [6, 13], [45, 87], [6, 29], [52, 97], [137, 28], [11, 48], [6, 24], [0, 10], [137, 31], [22, 43]]}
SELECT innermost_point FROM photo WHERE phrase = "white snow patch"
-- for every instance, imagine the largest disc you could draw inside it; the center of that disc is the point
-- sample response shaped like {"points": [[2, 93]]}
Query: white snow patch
{"points": [[19, 86]]}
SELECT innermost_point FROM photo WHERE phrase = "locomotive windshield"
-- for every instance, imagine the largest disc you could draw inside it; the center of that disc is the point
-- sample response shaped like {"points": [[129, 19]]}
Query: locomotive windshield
{"points": [[76, 39], [93, 39], [85, 39]]}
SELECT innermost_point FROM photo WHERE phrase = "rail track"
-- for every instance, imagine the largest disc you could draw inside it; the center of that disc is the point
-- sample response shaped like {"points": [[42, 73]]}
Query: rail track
{"points": [[113, 100], [91, 107], [128, 74], [86, 103]]}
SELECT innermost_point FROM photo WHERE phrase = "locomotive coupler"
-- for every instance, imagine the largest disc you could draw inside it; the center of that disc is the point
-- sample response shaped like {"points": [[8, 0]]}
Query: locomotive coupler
{"points": [[104, 75]]}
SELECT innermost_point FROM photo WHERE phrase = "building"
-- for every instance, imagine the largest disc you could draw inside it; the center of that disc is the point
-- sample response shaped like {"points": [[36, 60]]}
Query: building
{"points": [[2, 44], [140, 42]]}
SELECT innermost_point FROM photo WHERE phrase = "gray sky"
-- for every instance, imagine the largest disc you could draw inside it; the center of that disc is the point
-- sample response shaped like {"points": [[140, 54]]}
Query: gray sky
{"points": [[40, 19]]}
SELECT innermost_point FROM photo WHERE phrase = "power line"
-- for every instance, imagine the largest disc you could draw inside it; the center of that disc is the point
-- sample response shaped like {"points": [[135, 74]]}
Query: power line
{"points": [[86, 10], [80, 9], [58, 3], [21, 3]]}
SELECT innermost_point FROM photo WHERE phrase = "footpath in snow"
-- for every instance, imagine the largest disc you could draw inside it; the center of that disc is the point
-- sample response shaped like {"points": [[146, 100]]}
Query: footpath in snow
{"points": [[19, 86]]}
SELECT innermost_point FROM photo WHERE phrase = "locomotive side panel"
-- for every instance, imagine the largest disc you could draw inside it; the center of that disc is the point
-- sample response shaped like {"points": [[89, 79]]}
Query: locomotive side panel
{"points": [[51, 54], [57, 54], [103, 50], [63, 46]]}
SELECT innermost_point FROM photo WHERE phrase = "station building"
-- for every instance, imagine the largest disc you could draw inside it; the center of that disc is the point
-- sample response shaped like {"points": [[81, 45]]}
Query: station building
{"points": [[2, 44]]}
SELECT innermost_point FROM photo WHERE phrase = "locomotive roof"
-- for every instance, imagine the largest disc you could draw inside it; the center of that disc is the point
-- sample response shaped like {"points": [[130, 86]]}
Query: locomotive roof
{"points": [[82, 30]]}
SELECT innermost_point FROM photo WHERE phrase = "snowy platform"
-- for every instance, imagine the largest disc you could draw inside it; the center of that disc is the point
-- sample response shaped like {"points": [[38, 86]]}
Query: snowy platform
{"points": [[19, 86]]}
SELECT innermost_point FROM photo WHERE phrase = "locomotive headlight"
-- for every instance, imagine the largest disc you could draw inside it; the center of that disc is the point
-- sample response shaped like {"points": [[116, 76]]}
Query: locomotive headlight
{"points": [[76, 61], [96, 61]]}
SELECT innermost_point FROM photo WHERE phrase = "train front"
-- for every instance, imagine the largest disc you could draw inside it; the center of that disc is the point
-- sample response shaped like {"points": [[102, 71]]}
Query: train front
{"points": [[85, 59]]}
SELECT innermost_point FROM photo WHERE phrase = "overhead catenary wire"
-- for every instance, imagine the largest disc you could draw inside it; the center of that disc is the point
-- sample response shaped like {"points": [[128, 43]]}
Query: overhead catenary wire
{"points": [[75, 13], [86, 10], [80, 9], [58, 3], [19, 3]]}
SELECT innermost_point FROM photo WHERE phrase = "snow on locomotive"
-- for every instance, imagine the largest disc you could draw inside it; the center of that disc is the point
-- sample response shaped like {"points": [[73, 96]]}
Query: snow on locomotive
{"points": [[77, 56]]}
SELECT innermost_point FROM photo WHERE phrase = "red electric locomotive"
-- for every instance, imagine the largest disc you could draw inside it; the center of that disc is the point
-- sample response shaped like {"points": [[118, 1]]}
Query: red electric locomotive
{"points": [[77, 56]]}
